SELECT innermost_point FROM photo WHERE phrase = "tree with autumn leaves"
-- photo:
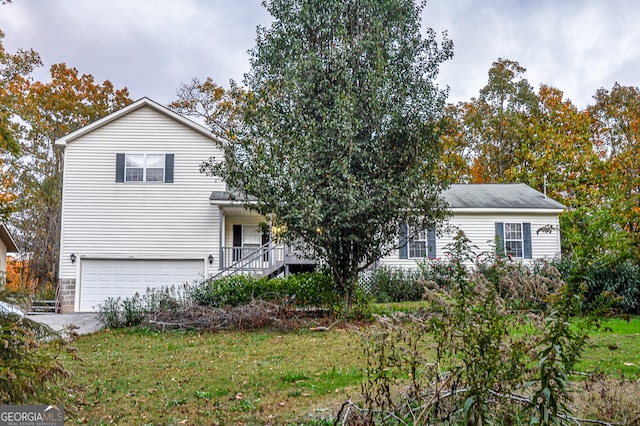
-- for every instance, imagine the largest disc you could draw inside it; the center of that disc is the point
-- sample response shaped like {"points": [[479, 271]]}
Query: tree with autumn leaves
{"points": [[587, 158]]}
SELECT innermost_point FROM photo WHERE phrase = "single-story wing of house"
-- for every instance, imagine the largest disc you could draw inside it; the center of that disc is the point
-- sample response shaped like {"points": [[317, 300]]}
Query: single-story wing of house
{"points": [[137, 213]]}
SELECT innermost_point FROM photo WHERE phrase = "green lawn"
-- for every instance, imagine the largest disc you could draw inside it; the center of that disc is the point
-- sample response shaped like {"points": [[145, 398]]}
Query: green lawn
{"points": [[264, 377], [614, 349], [216, 378]]}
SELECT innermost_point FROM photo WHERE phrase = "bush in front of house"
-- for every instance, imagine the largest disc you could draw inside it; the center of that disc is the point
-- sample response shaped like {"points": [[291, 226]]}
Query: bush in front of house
{"points": [[301, 290], [131, 311], [387, 284]]}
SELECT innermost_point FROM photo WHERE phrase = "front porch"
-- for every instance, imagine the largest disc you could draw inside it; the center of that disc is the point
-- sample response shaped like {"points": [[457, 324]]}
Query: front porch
{"points": [[247, 246]]}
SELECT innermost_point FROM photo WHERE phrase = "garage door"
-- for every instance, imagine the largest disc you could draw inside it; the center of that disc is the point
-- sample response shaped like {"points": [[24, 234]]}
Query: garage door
{"points": [[103, 278]]}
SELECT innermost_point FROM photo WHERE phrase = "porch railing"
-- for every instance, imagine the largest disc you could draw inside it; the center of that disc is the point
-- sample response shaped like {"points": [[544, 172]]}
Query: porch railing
{"points": [[251, 260]]}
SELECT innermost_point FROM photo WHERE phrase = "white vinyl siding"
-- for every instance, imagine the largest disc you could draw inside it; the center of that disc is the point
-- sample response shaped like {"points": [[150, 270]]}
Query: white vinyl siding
{"points": [[480, 229], [105, 219]]}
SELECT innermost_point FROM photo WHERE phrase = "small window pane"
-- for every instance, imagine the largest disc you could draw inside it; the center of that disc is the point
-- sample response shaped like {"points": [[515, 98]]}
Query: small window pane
{"points": [[135, 160], [155, 161], [135, 175], [513, 231], [514, 248], [155, 175], [417, 249]]}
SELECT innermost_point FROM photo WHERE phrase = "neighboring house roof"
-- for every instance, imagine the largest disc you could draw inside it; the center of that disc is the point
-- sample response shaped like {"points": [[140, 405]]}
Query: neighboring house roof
{"points": [[515, 196], [7, 239], [144, 102]]}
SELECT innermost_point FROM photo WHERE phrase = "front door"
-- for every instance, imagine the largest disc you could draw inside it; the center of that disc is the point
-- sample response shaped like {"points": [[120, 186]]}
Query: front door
{"points": [[246, 239]]}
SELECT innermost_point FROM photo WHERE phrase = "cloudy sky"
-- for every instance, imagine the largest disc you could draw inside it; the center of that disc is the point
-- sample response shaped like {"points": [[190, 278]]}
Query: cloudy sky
{"points": [[152, 46]]}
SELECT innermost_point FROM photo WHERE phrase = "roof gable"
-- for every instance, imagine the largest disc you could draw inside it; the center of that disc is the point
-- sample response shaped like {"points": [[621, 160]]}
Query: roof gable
{"points": [[7, 239], [141, 103], [498, 196]]}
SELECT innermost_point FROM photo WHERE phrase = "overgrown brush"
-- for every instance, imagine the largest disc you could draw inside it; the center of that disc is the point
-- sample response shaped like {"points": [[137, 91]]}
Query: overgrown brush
{"points": [[242, 302], [132, 311], [469, 359]]}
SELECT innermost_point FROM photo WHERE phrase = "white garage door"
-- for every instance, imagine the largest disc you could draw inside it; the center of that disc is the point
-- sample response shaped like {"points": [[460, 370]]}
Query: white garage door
{"points": [[103, 278]]}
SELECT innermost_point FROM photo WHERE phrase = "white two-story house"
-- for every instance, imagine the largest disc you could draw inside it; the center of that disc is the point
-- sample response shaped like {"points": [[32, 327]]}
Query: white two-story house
{"points": [[138, 213]]}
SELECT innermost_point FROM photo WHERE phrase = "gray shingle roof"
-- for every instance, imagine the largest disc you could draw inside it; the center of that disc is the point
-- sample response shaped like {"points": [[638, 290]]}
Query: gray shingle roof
{"points": [[472, 196], [498, 196]]}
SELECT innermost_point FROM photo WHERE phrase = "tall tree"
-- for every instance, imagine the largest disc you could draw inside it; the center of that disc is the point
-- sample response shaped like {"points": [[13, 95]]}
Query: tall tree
{"points": [[217, 107], [616, 132], [495, 123], [338, 138], [13, 67], [48, 111]]}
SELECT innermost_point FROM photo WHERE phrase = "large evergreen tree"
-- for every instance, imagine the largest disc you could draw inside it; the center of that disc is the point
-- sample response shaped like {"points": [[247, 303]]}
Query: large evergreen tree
{"points": [[338, 137]]}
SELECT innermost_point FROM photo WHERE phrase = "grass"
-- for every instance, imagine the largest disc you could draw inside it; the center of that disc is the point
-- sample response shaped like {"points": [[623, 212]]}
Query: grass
{"points": [[218, 378], [614, 349], [264, 377]]}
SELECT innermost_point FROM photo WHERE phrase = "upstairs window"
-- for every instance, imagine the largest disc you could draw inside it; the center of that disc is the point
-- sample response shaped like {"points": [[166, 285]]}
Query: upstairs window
{"points": [[144, 168]]}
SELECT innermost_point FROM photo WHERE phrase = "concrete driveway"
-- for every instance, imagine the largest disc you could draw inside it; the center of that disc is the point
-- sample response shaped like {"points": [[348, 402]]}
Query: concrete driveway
{"points": [[86, 323]]}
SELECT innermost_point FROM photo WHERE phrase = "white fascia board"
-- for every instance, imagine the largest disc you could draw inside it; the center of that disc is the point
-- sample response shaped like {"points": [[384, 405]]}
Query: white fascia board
{"points": [[509, 211], [230, 203]]}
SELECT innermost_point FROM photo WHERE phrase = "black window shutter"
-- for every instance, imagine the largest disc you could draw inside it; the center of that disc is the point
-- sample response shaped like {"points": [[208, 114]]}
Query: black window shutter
{"points": [[431, 243], [404, 252], [526, 233], [168, 168], [119, 167], [500, 238]]}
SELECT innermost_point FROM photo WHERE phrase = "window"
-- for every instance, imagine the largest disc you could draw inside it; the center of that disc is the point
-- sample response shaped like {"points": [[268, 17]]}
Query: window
{"points": [[144, 168], [418, 244], [251, 236], [513, 239]]}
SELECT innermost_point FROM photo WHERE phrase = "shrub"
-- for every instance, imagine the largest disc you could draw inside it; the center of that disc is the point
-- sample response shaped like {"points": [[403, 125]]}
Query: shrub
{"points": [[132, 311], [301, 290], [395, 285], [623, 279]]}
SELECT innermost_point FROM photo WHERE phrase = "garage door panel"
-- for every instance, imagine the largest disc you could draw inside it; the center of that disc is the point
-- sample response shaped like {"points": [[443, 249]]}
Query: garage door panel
{"points": [[104, 278]]}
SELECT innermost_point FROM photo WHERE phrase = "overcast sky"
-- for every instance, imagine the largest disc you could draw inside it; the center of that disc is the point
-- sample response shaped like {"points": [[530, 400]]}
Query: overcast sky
{"points": [[152, 46]]}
